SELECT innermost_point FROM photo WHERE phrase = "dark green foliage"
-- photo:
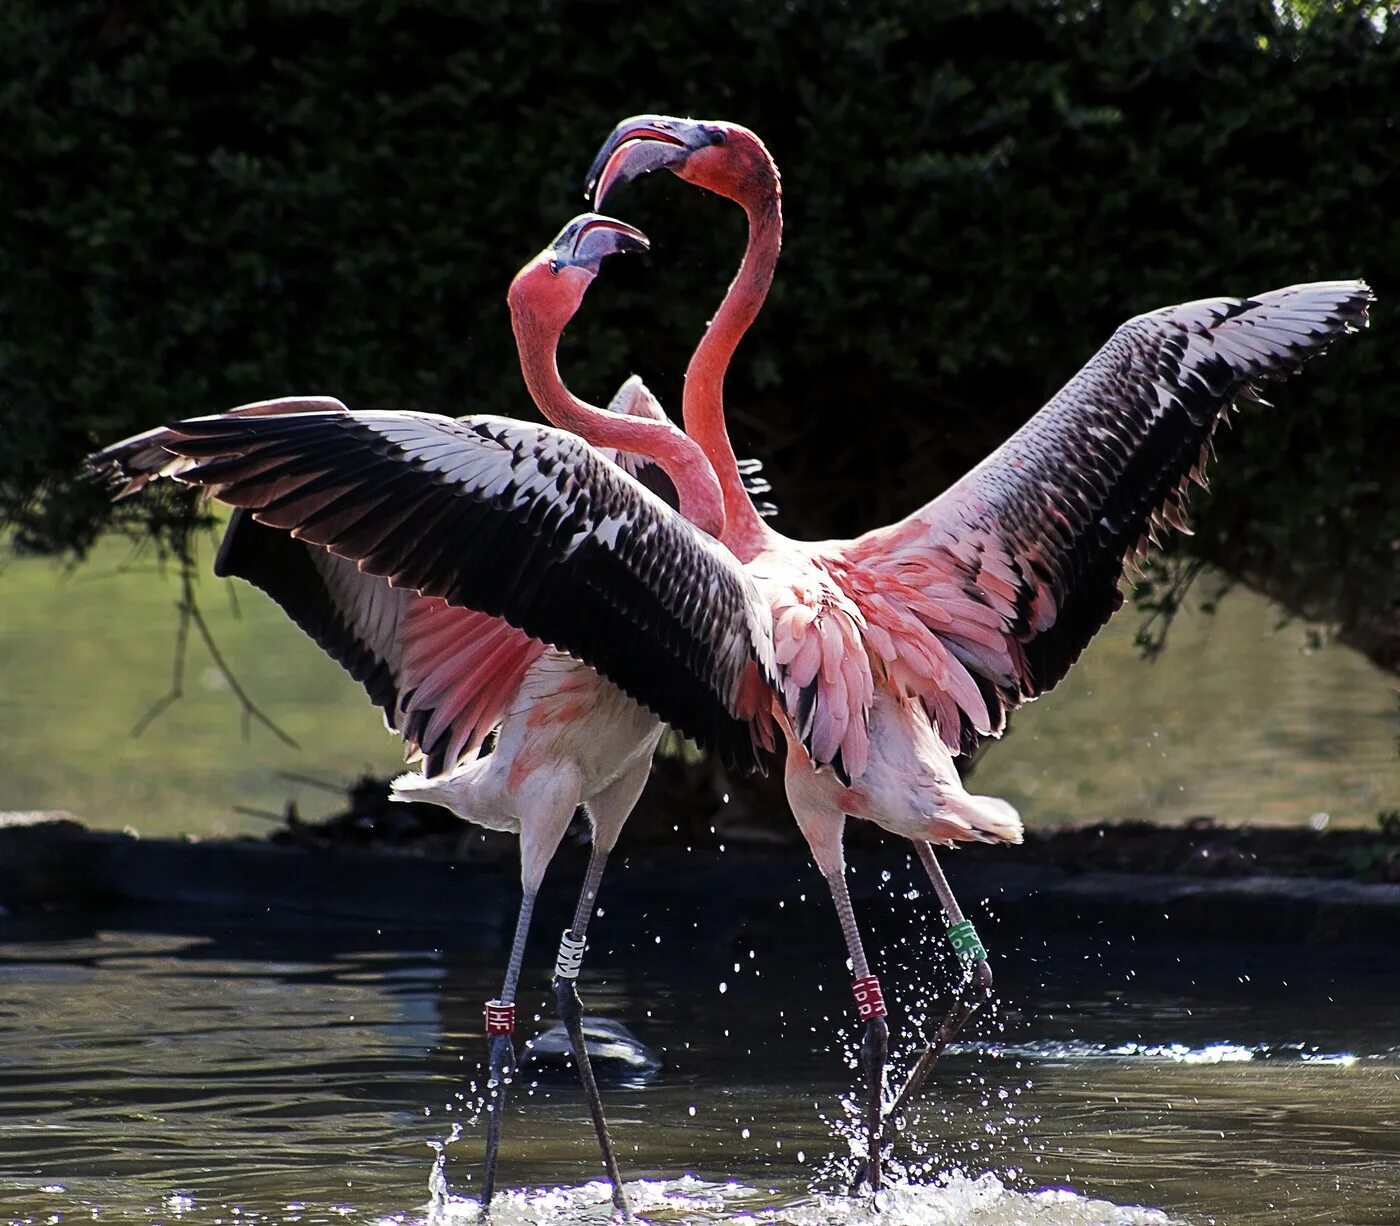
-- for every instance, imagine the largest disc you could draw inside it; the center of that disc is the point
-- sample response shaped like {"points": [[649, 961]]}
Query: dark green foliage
{"points": [[214, 202]]}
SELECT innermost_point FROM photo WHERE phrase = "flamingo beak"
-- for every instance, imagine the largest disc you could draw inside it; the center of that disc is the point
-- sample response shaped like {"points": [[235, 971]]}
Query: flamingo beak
{"points": [[639, 145], [590, 237]]}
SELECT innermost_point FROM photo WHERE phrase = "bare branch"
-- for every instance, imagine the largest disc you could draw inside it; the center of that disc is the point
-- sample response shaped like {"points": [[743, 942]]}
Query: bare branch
{"points": [[190, 614]]}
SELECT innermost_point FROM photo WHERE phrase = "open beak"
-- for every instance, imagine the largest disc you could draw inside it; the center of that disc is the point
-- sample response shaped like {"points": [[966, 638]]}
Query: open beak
{"points": [[636, 147], [590, 237]]}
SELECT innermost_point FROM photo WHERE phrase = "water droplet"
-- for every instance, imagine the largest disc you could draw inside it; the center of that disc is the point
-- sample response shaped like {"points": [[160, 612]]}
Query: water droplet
{"points": [[723, 988]]}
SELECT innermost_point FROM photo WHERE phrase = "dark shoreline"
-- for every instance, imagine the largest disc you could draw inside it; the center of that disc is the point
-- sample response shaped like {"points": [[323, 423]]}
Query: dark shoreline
{"points": [[58, 865]]}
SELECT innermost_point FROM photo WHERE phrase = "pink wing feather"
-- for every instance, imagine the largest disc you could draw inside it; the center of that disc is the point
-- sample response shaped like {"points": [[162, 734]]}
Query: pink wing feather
{"points": [[983, 598], [460, 670]]}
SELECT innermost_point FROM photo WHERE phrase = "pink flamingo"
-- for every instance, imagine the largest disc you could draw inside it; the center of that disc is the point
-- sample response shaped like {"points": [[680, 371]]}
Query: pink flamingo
{"points": [[901, 648], [878, 656], [446, 675]]}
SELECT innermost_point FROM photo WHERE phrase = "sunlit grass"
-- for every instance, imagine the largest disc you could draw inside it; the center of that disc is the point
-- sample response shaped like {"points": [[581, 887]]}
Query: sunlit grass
{"points": [[1239, 719], [85, 654]]}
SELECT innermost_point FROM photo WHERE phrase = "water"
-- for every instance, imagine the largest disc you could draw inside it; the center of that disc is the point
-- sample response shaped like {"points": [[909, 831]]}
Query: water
{"points": [[161, 1068], [1240, 719], [156, 1069]]}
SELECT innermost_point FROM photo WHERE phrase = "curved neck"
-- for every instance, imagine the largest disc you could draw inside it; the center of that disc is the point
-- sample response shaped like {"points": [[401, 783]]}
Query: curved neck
{"points": [[697, 488], [745, 532]]}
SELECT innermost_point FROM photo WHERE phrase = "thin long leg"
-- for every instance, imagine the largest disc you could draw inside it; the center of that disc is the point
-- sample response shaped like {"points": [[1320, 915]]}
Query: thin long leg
{"points": [[875, 1044], [500, 1024], [544, 814], [570, 1009], [609, 810], [976, 989], [822, 826]]}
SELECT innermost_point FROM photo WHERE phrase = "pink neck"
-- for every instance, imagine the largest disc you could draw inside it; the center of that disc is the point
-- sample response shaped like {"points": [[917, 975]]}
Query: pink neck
{"points": [[745, 532], [698, 490]]}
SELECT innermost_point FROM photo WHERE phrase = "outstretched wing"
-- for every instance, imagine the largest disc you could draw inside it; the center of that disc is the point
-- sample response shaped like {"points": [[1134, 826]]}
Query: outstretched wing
{"points": [[443, 703], [441, 675], [1016, 566], [517, 521]]}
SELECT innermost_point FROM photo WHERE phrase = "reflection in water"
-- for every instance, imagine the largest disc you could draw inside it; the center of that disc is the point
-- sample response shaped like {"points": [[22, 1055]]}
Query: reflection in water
{"points": [[245, 1074]]}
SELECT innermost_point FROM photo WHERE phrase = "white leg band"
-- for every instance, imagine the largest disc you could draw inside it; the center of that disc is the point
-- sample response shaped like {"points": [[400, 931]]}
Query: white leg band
{"points": [[570, 955]]}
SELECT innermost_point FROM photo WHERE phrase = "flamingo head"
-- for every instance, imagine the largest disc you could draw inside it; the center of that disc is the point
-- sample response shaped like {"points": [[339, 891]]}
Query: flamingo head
{"points": [[551, 286], [724, 158]]}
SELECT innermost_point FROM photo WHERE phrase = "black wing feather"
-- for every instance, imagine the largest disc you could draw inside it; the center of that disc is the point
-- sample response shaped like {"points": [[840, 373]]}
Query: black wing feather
{"points": [[526, 523]]}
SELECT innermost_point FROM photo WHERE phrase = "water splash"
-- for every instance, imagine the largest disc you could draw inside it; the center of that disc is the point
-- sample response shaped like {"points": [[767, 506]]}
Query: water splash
{"points": [[953, 1200], [683, 1200], [957, 1200], [439, 1194], [1173, 1053]]}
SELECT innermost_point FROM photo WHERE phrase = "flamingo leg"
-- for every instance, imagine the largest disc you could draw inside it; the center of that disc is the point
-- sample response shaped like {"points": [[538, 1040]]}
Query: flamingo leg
{"points": [[545, 804], [609, 810], [570, 1009], [822, 825], [875, 1043], [500, 1024], [975, 992]]}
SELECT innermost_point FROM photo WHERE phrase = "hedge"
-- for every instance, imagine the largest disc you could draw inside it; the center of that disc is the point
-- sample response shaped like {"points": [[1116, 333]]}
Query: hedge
{"points": [[210, 202]]}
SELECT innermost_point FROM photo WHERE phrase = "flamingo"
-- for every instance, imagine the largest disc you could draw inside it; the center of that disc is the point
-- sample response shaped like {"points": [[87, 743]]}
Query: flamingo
{"points": [[879, 656], [901, 648], [445, 675]]}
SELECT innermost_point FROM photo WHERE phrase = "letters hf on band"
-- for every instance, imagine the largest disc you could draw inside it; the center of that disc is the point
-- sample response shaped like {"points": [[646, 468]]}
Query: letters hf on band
{"points": [[870, 1001], [500, 1017]]}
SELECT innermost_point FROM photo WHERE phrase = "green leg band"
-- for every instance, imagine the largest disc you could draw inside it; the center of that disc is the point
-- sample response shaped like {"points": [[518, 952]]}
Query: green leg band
{"points": [[966, 943]]}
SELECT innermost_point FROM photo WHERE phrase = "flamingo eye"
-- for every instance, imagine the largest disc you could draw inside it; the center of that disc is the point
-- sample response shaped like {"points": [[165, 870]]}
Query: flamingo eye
{"points": [[553, 268], [717, 138]]}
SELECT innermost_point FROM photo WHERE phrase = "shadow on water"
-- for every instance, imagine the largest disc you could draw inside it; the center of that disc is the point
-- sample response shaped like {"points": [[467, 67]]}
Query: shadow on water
{"points": [[159, 1068]]}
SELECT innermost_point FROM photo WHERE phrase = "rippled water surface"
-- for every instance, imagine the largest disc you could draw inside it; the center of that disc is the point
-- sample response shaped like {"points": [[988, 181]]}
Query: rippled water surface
{"points": [[157, 1073]]}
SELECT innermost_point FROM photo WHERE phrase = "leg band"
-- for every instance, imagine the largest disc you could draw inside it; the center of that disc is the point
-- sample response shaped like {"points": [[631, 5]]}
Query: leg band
{"points": [[965, 941], [500, 1017], [570, 955], [870, 1001]]}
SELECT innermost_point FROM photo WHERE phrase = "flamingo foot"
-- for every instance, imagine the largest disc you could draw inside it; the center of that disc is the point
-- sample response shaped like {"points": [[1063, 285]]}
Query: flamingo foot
{"points": [[976, 992], [501, 1059], [570, 1009], [874, 1050]]}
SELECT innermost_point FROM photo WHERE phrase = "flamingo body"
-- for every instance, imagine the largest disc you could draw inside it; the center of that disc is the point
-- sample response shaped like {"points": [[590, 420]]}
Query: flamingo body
{"points": [[403, 542], [568, 736], [983, 598], [907, 645]]}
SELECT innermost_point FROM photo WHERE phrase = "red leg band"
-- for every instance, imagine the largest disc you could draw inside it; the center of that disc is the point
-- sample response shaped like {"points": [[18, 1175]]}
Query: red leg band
{"points": [[870, 1001], [500, 1017]]}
